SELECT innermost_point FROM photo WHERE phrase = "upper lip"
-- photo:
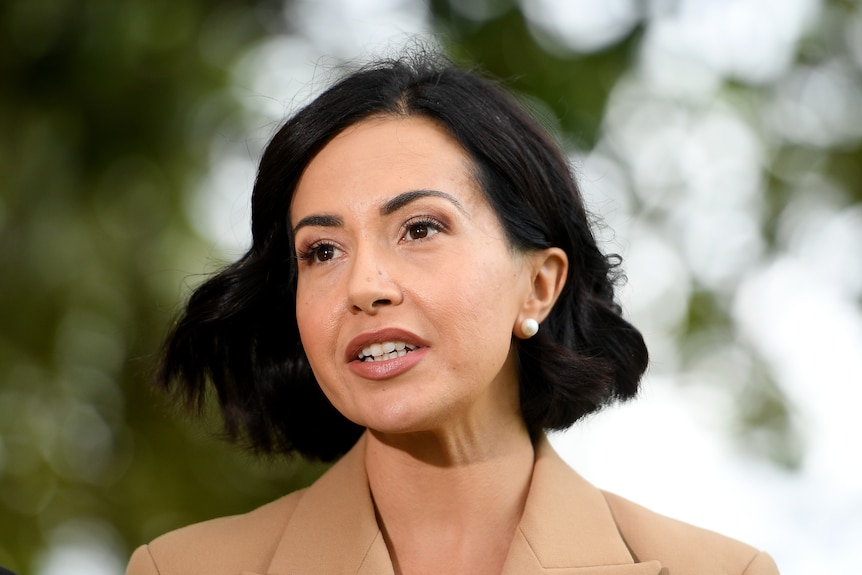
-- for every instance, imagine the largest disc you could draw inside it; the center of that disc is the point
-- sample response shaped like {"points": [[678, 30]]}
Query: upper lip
{"points": [[379, 336]]}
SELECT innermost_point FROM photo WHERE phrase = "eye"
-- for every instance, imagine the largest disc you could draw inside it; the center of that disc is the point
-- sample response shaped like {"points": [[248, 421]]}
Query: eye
{"points": [[319, 253], [421, 229]]}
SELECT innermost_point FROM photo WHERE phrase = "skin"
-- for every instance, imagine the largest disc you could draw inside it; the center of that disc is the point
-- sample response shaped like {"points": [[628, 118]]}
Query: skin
{"points": [[396, 240]]}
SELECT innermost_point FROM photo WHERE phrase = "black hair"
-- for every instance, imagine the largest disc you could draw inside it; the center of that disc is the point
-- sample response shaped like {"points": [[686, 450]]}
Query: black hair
{"points": [[238, 333]]}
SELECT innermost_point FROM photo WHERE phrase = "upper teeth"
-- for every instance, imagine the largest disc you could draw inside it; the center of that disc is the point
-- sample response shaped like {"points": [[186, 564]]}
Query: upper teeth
{"points": [[385, 350]]}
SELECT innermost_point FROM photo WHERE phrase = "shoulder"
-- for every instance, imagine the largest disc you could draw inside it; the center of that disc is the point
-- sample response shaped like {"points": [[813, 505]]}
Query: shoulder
{"points": [[684, 548], [224, 545]]}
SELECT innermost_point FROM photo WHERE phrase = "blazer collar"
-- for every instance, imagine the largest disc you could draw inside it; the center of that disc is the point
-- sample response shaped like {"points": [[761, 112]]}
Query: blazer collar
{"points": [[567, 527]]}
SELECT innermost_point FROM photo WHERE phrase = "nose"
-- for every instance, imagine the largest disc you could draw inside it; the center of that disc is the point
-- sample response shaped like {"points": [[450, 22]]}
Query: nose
{"points": [[371, 286]]}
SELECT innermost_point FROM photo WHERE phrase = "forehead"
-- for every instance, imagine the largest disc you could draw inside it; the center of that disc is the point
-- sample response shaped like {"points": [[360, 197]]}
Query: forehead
{"points": [[382, 156]]}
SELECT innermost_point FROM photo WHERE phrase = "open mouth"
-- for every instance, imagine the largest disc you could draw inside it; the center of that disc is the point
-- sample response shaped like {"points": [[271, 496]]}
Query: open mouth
{"points": [[385, 350]]}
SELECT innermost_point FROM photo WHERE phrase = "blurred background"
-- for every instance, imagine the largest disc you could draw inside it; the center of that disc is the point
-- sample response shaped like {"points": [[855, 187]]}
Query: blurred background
{"points": [[718, 141]]}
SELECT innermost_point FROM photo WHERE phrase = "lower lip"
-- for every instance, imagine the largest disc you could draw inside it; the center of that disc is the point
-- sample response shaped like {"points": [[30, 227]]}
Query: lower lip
{"points": [[387, 369]]}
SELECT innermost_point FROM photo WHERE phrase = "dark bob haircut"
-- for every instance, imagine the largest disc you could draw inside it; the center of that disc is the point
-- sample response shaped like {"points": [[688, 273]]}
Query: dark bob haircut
{"points": [[238, 333]]}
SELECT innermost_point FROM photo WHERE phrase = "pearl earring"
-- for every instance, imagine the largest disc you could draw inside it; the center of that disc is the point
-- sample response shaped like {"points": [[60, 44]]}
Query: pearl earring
{"points": [[529, 327]]}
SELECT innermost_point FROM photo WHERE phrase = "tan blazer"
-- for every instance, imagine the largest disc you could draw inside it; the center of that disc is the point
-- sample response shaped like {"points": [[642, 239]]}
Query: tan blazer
{"points": [[569, 528]]}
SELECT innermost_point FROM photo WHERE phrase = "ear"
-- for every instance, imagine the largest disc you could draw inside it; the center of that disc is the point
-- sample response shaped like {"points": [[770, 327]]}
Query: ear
{"points": [[549, 269]]}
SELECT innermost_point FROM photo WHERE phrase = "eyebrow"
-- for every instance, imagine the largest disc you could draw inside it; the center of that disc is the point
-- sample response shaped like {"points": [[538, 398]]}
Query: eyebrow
{"points": [[391, 206], [318, 220], [405, 198]]}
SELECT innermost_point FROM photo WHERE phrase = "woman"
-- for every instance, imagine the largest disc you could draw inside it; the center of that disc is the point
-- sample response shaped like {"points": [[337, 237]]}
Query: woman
{"points": [[423, 294]]}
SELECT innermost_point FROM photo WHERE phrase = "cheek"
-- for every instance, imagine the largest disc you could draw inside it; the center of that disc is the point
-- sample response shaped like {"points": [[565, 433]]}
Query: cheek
{"points": [[304, 312], [318, 342], [313, 318], [480, 311]]}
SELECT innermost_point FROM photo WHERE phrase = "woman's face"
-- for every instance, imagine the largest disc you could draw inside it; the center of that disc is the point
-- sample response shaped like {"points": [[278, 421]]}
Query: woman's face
{"points": [[407, 291]]}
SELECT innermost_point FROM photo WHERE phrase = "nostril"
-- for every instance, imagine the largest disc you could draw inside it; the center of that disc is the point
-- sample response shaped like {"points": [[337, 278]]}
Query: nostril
{"points": [[382, 302]]}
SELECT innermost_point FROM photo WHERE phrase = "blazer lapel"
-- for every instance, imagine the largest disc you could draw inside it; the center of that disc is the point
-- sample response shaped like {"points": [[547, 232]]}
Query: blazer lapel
{"points": [[567, 527], [333, 529]]}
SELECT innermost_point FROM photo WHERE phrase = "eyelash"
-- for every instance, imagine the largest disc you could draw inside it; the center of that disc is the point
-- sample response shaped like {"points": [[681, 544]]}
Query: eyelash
{"points": [[312, 253], [427, 221]]}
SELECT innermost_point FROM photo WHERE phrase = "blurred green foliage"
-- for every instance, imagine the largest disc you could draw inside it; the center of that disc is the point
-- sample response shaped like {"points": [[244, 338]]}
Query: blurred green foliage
{"points": [[574, 86], [107, 111]]}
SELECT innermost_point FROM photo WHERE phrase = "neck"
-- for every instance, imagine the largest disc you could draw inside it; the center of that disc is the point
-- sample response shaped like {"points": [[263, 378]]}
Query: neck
{"points": [[456, 497]]}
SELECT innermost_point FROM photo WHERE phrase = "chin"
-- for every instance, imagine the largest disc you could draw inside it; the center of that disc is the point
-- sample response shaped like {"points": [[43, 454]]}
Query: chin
{"points": [[400, 420], [397, 425]]}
